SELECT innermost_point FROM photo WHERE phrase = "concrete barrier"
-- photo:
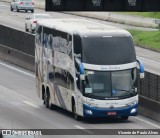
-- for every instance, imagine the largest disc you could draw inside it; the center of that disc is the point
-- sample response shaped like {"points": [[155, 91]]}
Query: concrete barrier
{"points": [[17, 57], [119, 18], [17, 39], [17, 47]]}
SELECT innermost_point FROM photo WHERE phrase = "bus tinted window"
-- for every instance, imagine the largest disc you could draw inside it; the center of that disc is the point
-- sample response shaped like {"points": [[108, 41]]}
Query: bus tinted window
{"points": [[108, 50]]}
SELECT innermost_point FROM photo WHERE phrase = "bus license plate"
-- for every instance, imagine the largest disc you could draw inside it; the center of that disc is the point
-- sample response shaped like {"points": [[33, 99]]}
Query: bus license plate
{"points": [[111, 113]]}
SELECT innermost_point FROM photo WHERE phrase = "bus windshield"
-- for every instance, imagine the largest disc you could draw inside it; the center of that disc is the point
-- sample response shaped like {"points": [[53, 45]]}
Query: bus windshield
{"points": [[110, 85], [108, 50]]}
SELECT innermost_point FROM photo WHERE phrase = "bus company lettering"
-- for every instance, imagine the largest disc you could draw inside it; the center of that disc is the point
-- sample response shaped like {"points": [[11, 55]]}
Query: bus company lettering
{"points": [[114, 67], [112, 103]]}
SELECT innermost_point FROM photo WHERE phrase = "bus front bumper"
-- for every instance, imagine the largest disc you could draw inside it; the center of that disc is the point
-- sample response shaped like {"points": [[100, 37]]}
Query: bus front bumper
{"points": [[89, 111]]}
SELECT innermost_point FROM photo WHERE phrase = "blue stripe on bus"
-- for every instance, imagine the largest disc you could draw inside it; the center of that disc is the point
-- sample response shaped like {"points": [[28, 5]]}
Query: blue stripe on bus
{"points": [[81, 68]]}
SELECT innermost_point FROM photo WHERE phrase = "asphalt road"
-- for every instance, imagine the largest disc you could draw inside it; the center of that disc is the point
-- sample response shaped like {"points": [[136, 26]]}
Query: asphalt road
{"points": [[21, 108]]}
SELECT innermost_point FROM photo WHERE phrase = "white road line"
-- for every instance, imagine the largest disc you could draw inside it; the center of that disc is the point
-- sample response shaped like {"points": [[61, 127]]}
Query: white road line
{"points": [[149, 60], [30, 104], [12, 20], [4, 6], [147, 122], [79, 127], [84, 129], [16, 69]]}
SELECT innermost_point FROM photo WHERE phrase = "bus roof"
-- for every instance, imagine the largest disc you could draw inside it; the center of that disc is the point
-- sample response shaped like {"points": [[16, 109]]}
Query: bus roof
{"points": [[83, 27]]}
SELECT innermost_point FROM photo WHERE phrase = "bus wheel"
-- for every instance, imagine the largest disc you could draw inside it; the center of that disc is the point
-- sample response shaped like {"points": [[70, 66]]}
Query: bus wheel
{"points": [[124, 117], [46, 100], [77, 117], [51, 106]]}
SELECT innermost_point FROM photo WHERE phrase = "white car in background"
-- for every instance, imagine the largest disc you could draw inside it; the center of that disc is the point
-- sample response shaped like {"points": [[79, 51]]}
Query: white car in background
{"points": [[32, 20], [27, 5]]}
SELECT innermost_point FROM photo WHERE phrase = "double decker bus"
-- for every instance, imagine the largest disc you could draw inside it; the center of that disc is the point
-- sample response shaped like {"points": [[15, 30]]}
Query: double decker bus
{"points": [[87, 68]]}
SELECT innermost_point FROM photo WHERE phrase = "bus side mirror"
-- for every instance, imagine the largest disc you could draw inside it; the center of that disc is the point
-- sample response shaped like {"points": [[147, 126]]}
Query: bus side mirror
{"points": [[141, 69], [141, 75]]}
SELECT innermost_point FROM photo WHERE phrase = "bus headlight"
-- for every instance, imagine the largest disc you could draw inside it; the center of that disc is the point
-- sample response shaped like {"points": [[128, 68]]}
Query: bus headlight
{"points": [[88, 112], [134, 110]]}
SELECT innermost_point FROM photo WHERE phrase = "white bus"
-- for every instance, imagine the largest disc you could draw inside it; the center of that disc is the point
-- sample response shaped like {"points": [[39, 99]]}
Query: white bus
{"points": [[87, 68]]}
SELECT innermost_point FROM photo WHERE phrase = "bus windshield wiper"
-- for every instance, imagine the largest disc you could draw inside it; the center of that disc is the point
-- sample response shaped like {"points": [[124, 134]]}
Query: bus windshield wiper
{"points": [[129, 91]]}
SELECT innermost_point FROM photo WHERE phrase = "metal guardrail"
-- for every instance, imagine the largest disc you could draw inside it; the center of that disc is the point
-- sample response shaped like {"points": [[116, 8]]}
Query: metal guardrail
{"points": [[149, 87]]}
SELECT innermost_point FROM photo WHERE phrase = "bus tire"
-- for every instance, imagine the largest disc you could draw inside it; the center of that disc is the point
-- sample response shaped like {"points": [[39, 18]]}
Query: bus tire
{"points": [[77, 117], [51, 106], [46, 100], [124, 117]]}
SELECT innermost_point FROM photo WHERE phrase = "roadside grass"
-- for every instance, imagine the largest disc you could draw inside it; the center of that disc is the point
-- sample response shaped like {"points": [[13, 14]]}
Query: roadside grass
{"points": [[147, 39], [144, 14]]}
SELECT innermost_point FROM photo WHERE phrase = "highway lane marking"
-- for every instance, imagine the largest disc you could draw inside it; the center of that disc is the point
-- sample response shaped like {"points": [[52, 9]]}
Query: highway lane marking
{"points": [[16, 69], [149, 60], [84, 129], [4, 6], [12, 20], [31, 104], [79, 127], [147, 122]]}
